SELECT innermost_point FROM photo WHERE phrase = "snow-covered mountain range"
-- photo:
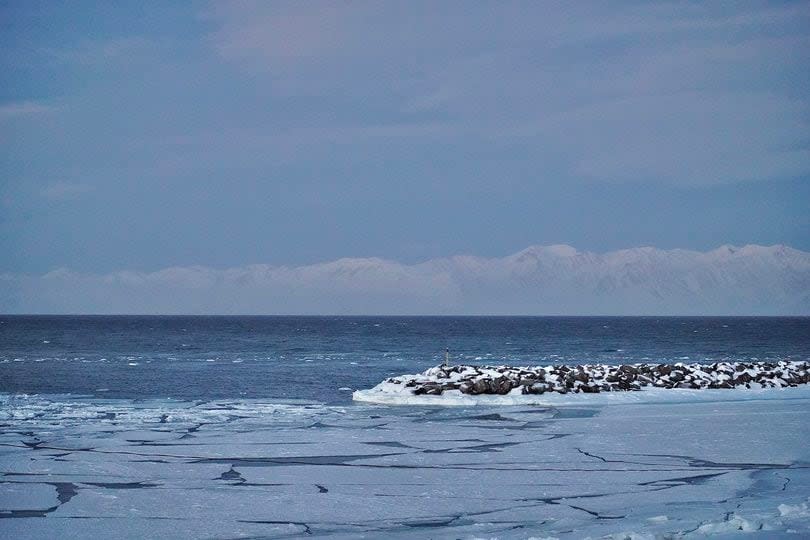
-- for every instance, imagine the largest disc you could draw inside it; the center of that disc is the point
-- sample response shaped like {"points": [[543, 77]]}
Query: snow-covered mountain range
{"points": [[557, 279]]}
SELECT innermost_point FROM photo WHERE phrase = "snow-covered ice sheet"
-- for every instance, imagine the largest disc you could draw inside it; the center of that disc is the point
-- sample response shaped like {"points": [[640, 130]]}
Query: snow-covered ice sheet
{"points": [[88, 468]]}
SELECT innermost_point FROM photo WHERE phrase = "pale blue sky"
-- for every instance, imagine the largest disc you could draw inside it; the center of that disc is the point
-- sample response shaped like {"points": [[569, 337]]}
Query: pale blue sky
{"points": [[142, 135]]}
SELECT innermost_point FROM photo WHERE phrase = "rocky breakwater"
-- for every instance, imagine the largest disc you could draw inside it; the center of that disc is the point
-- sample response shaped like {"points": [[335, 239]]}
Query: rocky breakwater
{"points": [[594, 378]]}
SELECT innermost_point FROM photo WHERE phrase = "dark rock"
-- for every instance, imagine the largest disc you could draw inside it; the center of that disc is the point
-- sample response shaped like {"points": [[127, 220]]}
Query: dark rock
{"points": [[537, 388], [628, 369], [481, 386], [502, 385], [742, 378]]}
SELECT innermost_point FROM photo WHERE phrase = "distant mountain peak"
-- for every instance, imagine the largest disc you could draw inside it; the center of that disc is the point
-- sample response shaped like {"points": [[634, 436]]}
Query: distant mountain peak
{"points": [[558, 250], [539, 280]]}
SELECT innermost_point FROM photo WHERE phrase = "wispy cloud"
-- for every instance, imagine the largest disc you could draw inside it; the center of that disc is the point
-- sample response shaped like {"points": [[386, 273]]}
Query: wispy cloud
{"points": [[283, 30], [682, 93], [95, 52], [63, 191], [24, 108]]}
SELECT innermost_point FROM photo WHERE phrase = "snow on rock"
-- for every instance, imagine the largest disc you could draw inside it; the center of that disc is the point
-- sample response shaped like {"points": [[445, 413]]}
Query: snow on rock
{"points": [[590, 379]]}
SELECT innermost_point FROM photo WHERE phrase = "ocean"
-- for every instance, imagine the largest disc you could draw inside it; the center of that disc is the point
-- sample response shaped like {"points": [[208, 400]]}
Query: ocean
{"points": [[244, 427], [312, 358]]}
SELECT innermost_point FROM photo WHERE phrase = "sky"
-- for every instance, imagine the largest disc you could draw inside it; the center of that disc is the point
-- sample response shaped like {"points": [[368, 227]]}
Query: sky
{"points": [[139, 136]]}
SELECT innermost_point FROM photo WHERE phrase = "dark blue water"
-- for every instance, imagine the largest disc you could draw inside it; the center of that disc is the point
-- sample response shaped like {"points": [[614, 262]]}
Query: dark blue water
{"points": [[312, 358]]}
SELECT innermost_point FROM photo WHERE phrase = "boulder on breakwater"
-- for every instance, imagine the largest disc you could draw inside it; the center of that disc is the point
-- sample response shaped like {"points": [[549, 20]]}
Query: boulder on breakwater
{"points": [[594, 378]]}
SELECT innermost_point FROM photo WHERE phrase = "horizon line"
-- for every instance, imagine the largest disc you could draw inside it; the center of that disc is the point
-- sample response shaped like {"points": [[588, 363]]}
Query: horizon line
{"points": [[392, 316]]}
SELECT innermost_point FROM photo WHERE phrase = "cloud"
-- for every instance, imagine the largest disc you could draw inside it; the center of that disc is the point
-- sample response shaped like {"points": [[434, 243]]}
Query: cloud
{"points": [[24, 108], [62, 191], [538, 280], [686, 93], [690, 138], [104, 51], [283, 30]]}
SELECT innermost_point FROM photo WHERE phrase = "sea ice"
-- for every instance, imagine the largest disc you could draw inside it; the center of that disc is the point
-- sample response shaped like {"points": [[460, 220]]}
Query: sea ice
{"points": [[89, 468]]}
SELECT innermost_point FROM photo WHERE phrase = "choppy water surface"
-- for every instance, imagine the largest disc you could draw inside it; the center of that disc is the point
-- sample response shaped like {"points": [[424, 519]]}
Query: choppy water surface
{"points": [[314, 357]]}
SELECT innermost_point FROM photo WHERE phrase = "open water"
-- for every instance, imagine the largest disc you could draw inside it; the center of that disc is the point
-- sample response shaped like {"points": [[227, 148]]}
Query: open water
{"points": [[321, 358]]}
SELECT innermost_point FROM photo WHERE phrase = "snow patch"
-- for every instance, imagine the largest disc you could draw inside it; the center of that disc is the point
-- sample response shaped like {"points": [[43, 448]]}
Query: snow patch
{"points": [[794, 510]]}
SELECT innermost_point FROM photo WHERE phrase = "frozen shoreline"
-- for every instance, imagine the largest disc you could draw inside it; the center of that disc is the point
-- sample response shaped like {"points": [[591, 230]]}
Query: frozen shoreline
{"points": [[593, 384], [90, 468]]}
